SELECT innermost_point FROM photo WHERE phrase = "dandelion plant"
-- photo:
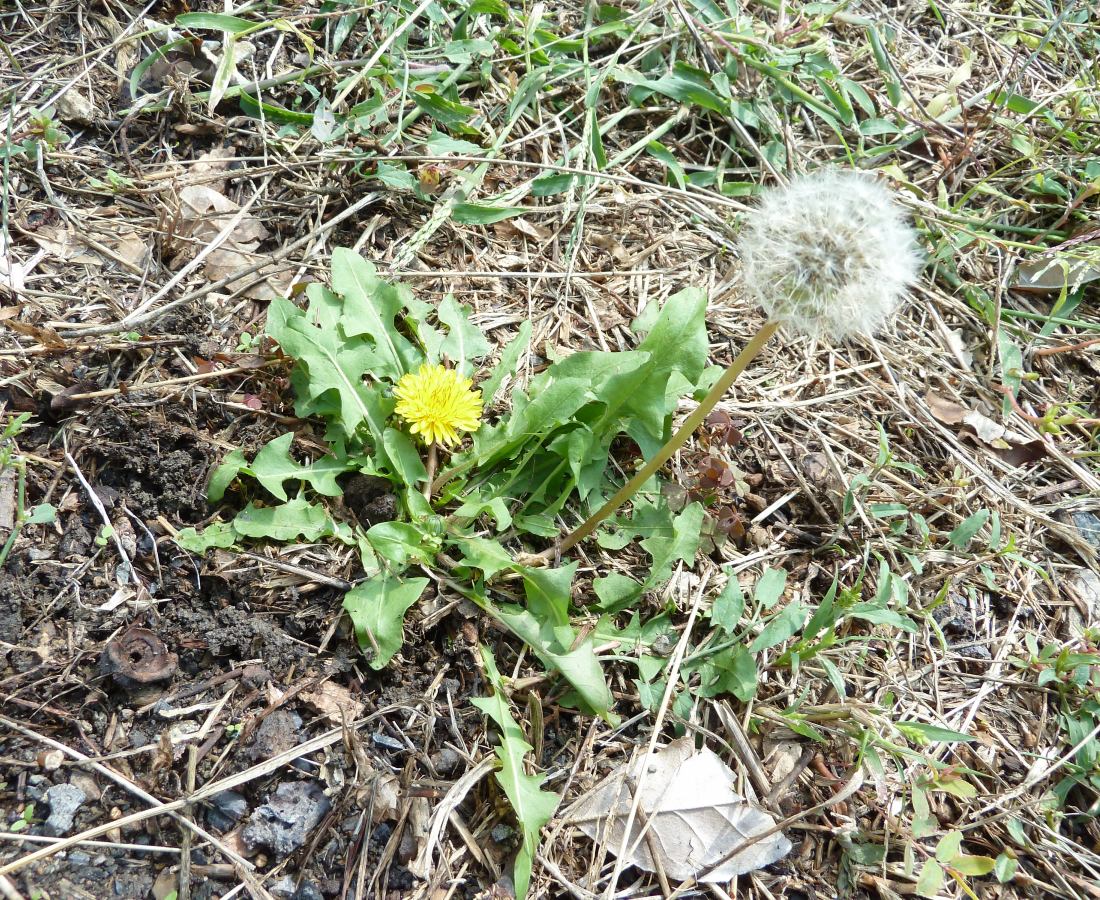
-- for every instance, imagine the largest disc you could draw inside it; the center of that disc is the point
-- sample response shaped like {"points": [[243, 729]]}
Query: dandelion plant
{"points": [[439, 405], [830, 254]]}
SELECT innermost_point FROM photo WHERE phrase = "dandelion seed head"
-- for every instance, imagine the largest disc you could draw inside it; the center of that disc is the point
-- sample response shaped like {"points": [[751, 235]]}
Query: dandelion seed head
{"points": [[829, 254], [438, 404]]}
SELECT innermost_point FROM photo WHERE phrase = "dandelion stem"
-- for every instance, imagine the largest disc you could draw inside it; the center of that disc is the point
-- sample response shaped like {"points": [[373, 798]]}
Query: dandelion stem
{"points": [[674, 443], [433, 464]]}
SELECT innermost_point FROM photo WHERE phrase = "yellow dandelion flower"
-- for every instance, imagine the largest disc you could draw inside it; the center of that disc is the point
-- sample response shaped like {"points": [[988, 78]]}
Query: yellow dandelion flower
{"points": [[438, 403]]}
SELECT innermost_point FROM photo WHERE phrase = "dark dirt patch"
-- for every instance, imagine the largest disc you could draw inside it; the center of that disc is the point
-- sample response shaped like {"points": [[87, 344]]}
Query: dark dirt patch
{"points": [[155, 465]]}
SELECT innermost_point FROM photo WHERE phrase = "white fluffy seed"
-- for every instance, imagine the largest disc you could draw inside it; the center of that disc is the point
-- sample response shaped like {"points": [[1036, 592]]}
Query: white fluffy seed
{"points": [[829, 254]]}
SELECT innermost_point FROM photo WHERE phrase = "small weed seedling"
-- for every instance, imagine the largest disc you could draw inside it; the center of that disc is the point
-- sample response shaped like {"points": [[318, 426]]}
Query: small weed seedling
{"points": [[13, 471]]}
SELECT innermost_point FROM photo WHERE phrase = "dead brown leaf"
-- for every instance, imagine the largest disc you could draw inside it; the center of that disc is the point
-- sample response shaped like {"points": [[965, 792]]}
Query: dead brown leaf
{"points": [[203, 214], [1014, 448], [47, 337], [1047, 272], [334, 702], [695, 818]]}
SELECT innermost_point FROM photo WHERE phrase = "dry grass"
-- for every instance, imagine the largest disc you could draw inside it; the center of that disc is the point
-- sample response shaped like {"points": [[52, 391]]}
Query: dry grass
{"points": [[129, 293]]}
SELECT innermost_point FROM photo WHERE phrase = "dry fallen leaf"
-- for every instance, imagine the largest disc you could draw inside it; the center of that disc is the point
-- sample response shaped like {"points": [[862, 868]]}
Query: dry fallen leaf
{"points": [[520, 226], [131, 248], [420, 814], [1084, 586], [334, 701], [61, 242], [1049, 272], [204, 212], [695, 817], [213, 162], [1014, 448]]}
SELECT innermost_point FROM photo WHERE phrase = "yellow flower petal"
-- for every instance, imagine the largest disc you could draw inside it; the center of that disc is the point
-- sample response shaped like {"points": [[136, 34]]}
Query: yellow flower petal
{"points": [[438, 403]]}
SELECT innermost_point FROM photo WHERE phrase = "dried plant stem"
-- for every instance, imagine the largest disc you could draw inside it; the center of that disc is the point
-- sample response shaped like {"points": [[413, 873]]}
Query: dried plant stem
{"points": [[674, 443]]}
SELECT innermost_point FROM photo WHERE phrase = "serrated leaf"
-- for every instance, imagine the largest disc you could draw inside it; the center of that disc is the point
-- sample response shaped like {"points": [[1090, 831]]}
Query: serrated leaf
{"points": [[548, 592], [224, 474], [286, 522], [273, 466], [370, 306], [464, 341], [485, 554], [216, 534], [677, 343], [680, 546], [377, 609], [329, 377], [577, 664], [496, 507], [532, 805], [685, 84], [509, 361]]}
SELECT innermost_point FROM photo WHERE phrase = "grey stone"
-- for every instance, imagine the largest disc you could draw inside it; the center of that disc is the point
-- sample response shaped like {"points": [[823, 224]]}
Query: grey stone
{"points": [[283, 822], [277, 733], [284, 887], [446, 761], [226, 810], [64, 800], [308, 891], [1089, 525]]}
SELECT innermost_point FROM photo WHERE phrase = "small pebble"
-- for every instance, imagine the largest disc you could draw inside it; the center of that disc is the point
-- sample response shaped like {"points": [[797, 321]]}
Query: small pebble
{"points": [[64, 800], [446, 761], [227, 808], [308, 891], [285, 820], [284, 887]]}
